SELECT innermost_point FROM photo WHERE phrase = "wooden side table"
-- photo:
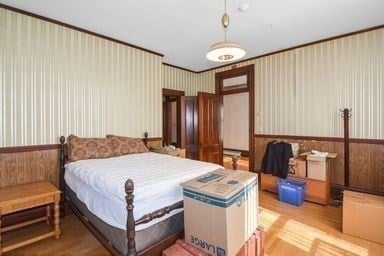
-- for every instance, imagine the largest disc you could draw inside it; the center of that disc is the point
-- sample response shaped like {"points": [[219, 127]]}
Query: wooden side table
{"points": [[176, 152], [22, 197]]}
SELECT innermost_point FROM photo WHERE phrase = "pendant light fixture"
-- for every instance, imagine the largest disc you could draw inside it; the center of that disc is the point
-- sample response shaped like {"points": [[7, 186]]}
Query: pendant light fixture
{"points": [[225, 51]]}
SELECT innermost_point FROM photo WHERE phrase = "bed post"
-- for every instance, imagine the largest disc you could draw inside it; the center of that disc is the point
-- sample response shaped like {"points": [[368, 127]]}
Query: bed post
{"points": [[61, 176], [145, 140], [131, 245]]}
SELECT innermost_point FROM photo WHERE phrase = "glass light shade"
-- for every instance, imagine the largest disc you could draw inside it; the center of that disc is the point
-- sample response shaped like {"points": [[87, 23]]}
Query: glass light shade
{"points": [[225, 51]]}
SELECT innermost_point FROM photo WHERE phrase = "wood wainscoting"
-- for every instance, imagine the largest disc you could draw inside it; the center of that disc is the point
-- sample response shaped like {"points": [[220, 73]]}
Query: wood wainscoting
{"points": [[22, 165], [366, 160]]}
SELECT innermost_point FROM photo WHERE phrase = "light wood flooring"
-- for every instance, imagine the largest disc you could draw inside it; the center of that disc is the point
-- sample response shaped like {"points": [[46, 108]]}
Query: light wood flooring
{"points": [[311, 229]]}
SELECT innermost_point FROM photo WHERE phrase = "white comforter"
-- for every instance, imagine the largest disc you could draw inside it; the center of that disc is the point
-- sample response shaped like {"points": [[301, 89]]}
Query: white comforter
{"points": [[99, 184]]}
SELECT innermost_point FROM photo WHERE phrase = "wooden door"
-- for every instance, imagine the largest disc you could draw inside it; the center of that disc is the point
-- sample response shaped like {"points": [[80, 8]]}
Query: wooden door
{"points": [[189, 129], [210, 127], [167, 121]]}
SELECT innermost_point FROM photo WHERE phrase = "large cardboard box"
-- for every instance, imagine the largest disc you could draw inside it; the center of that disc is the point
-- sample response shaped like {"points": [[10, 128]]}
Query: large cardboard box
{"points": [[363, 216], [220, 211]]}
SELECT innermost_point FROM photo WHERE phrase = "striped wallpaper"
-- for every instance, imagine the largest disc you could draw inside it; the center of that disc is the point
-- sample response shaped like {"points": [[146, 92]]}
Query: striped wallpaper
{"points": [[182, 80], [300, 92], [56, 81]]}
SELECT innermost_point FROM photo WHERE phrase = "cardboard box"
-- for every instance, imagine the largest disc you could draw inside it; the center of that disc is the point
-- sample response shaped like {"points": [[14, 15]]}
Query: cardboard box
{"points": [[363, 216], [317, 165], [220, 211], [298, 167], [317, 169]]}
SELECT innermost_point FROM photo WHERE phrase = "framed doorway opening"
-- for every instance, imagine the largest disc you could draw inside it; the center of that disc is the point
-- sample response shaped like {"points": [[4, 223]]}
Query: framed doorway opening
{"points": [[237, 86], [172, 117]]}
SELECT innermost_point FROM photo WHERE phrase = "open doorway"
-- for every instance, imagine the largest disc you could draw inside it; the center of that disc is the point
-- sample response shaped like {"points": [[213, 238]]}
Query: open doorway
{"points": [[235, 130], [237, 88], [171, 117]]}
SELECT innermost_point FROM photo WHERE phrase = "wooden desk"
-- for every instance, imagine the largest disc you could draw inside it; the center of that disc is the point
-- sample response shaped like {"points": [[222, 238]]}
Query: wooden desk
{"points": [[22, 197]]}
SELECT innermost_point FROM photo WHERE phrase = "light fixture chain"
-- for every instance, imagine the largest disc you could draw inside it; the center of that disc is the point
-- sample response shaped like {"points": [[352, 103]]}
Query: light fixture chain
{"points": [[225, 27], [225, 51]]}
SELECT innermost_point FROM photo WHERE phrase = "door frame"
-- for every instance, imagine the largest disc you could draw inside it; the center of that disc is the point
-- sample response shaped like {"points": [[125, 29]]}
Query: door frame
{"points": [[249, 71], [177, 94]]}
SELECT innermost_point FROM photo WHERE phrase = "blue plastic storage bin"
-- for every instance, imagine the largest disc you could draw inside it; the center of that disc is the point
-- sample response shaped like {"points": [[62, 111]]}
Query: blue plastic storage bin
{"points": [[291, 191]]}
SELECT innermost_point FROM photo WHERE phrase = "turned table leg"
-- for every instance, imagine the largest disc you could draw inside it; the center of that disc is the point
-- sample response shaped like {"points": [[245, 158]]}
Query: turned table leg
{"points": [[56, 221], [234, 162], [48, 214]]}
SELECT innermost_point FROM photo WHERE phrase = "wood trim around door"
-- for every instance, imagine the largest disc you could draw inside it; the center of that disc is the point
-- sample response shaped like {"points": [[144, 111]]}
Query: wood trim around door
{"points": [[171, 92], [250, 72], [177, 94]]}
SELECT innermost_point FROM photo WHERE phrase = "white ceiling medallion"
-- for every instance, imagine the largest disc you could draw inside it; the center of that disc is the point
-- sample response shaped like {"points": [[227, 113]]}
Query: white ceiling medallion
{"points": [[225, 51]]}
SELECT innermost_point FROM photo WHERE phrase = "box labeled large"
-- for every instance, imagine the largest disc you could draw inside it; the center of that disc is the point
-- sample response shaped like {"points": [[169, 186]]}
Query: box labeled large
{"points": [[220, 211], [363, 216]]}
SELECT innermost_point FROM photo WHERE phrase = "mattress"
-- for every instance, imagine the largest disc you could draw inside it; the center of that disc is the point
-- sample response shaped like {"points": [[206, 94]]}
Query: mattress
{"points": [[99, 184]]}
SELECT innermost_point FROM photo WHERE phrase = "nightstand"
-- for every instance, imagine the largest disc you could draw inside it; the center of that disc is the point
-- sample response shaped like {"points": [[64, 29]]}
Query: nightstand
{"points": [[176, 152], [23, 197]]}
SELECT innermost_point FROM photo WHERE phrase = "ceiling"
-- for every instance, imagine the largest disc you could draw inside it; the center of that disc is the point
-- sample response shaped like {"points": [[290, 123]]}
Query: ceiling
{"points": [[184, 30]]}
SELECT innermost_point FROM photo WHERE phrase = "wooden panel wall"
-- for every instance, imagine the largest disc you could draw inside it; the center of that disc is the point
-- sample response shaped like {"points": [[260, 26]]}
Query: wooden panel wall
{"points": [[27, 167], [366, 166], [366, 160]]}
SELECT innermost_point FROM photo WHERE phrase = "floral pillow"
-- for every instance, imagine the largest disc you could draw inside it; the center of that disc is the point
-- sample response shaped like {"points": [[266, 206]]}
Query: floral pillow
{"points": [[88, 148], [126, 145]]}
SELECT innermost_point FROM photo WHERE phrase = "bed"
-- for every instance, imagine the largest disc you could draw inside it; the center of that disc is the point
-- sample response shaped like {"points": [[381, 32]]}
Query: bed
{"points": [[101, 193]]}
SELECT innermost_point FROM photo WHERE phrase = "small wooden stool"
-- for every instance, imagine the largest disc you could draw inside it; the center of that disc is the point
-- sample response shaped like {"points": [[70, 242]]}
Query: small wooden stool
{"points": [[22, 197]]}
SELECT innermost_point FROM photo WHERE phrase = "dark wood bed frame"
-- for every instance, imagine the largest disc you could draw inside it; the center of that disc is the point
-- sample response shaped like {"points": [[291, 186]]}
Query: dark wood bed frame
{"points": [[131, 222]]}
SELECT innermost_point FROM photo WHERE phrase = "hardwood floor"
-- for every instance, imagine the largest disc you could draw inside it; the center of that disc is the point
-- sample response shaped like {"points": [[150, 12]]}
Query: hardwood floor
{"points": [[75, 240], [311, 229]]}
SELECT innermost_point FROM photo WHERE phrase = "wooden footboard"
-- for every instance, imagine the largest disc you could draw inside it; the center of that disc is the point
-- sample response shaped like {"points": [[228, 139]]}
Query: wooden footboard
{"points": [[131, 245], [130, 224]]}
